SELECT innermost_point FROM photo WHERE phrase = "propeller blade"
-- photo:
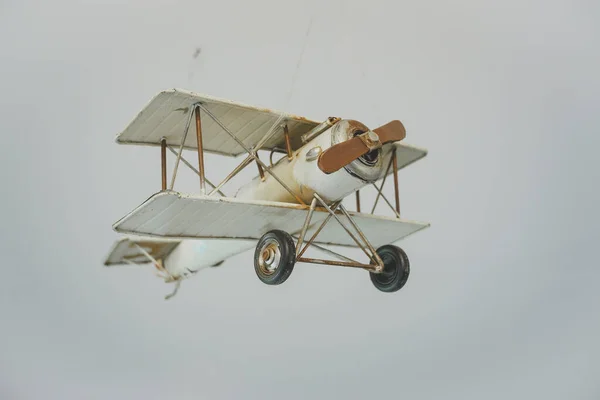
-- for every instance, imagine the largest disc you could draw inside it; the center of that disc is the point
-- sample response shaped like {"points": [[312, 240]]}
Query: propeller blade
{"points": [[393, 131], [341, 154]]}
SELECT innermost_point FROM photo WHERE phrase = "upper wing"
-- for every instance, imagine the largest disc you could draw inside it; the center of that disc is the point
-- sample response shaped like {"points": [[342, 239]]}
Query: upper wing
{"points": [[167, 113], [126, 250], [175, 215]]}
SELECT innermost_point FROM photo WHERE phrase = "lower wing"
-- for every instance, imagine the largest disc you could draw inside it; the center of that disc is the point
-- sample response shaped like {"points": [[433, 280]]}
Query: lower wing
{"points": [[174, 215]]}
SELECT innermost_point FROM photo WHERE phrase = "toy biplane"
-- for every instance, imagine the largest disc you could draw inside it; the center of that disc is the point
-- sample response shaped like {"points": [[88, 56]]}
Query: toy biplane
{"points": [[290, 206]]}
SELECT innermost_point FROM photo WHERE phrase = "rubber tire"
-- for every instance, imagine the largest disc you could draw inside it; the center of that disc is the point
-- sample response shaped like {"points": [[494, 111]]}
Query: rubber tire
{"points": [[287, 260], [396, 269]]}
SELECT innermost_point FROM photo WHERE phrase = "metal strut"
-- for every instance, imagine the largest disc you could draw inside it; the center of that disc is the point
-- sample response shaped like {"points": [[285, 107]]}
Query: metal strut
{"points": [[163, 163], [252, 155], [193, 111], [200, 150], [375, 264], [393, 162], [187, 128], [190, 166]]}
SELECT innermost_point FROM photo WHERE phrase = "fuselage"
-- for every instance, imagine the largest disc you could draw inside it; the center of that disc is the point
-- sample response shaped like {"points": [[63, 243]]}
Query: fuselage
{"points": [[192, 255], [302, 176]]}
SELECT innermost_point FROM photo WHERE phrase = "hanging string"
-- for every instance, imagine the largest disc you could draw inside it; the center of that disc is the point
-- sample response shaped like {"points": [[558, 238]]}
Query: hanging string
{"points": [[299, 62], [192, 66], [282, 115]]}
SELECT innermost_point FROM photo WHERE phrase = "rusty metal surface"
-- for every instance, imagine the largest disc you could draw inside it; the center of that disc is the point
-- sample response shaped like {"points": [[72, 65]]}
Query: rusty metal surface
{"points": [[396, 190], [317, 130], [200, 150], [319, 229], [261, 172], [180, 152], [288, 144], [163, 163], [364, 238], [329, 252], [313, 204], [332, 213], [285, 186], [368, 267]]}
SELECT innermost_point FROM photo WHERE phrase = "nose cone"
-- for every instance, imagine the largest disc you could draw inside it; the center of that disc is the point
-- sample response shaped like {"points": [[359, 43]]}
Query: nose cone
{"points": [[367, 167]]}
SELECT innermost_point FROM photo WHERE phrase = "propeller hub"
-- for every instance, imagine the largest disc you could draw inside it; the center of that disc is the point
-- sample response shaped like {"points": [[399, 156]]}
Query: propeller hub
{"points": [[366, 167], [370, 139], [353, 143]]}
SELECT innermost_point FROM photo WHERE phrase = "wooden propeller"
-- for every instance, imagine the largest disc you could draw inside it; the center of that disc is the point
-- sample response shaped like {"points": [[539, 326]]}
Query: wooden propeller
{"points": [[342, 154]]}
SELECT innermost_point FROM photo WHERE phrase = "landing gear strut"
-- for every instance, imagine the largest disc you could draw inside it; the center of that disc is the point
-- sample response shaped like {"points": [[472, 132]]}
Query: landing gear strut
{"points": [[276, 253]]}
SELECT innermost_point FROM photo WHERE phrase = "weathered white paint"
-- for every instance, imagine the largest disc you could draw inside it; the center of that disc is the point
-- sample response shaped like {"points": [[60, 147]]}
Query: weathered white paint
{"points": [[305, 178], [176, 215], [180, 258], [193, 255], [167, 113], [215, 229], [125, 250]]}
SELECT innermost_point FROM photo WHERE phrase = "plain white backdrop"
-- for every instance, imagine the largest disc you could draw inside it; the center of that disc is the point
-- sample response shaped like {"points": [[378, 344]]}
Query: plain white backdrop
{"points": [[502, 301]]}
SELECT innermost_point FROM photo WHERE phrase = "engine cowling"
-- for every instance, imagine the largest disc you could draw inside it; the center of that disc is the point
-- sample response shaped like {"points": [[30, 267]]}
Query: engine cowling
{"points": [[303, 176]]}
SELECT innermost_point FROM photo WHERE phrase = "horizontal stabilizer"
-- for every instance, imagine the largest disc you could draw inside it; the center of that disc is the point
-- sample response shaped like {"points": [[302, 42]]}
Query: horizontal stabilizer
{"points": [[127, 250]]}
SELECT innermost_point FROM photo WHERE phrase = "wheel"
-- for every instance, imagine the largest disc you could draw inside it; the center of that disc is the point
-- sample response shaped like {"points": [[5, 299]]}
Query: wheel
{"points": [[274, 257], [395, 270]]}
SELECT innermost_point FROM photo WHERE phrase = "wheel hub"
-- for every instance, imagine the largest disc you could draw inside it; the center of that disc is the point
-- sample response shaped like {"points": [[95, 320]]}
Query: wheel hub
{"points": [[388, 273], [270, 256]]}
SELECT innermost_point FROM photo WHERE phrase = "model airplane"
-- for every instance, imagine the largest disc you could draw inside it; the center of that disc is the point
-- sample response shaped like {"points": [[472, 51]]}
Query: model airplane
{"points": [[290, 206]]}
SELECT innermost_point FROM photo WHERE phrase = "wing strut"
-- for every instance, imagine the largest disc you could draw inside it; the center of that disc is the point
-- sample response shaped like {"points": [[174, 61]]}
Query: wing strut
{"points": [[185, 132], [252, 155], [394, 162], [190, 166]]}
